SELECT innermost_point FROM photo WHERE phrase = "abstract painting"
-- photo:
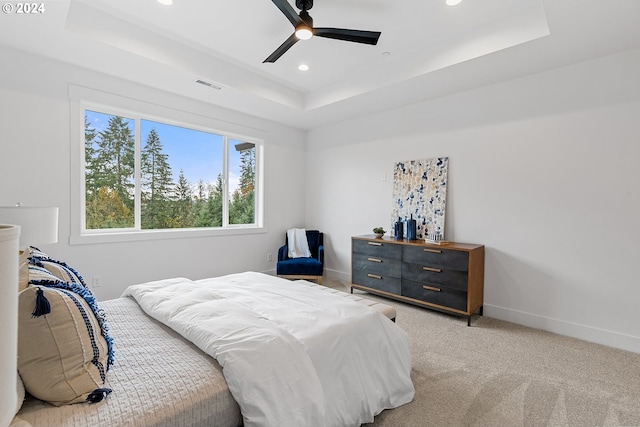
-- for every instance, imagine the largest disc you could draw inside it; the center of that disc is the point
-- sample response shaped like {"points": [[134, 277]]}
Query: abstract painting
{"points": [[420, 192]]}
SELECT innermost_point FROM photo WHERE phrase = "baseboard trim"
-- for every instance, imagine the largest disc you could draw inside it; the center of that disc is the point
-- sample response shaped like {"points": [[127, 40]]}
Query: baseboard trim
{"points": [[562, 327], [338, 275], [583, 332]]}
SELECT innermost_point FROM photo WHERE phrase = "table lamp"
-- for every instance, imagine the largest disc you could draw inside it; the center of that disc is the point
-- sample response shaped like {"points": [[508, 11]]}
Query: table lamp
{"points": [[38, 225], [19, 228]]}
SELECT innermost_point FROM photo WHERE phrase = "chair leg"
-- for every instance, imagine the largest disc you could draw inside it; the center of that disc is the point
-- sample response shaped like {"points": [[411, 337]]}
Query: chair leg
{"points": [[319, 280]]}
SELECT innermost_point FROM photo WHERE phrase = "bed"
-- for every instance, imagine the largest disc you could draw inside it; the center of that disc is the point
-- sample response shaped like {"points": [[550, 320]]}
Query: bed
{"points": [[183, 387], [246, 348]]}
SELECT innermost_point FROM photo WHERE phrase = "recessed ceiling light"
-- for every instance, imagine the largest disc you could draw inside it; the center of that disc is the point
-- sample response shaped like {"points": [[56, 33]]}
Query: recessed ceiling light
{"points": [[453, 2], [303, 67], [165, 2]]}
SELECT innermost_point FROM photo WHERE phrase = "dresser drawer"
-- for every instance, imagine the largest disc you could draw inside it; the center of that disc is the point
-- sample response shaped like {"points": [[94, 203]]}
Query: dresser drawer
{"points": [[436, 295], [453, 279], [376, 249], [371, 264], [436, 257], [376, 281]]}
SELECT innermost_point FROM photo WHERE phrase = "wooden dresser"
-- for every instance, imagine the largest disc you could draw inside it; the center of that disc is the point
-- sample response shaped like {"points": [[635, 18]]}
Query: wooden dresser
{"points": [[447, 278]]}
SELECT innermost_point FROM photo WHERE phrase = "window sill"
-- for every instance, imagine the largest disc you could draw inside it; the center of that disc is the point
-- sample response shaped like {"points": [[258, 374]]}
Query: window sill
{"points": [[136, 236]]}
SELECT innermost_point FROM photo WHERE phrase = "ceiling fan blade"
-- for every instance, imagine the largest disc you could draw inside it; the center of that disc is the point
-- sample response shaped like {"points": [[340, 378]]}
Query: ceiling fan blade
{"points": [[282, 49], [288, 11], [358, 36]]}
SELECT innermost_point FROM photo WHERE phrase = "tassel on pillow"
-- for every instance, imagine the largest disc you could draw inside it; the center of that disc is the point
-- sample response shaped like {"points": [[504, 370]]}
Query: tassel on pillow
{"points": [[42, 307], [98, 394]]}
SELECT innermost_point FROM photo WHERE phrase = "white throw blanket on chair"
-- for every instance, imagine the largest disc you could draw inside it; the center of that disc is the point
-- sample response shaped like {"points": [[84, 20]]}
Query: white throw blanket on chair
{"points": [[297, 242]]}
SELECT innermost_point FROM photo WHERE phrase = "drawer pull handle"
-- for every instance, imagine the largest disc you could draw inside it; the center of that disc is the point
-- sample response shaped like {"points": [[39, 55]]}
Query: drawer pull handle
{"points": [[374, 260], [375, 243], [431, 288], [374, 276], [435, 270], [433, 251]]}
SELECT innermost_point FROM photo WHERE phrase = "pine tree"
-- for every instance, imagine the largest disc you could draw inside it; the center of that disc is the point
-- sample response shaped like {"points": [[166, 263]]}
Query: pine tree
{"points": [[247, 171], [200, 200], [183, 212], [112, 168], [89, 156], [210, 213], [202, 190], [156, 184], [242, 206], [90, 166]]}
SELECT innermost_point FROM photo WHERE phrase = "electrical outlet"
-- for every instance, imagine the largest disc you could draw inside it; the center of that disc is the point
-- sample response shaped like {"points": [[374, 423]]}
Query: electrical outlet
{"points": [[96, 282], [269, 257]]}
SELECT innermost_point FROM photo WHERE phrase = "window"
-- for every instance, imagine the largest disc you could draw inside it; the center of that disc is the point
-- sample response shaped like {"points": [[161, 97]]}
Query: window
{"points": [[144, 174]]}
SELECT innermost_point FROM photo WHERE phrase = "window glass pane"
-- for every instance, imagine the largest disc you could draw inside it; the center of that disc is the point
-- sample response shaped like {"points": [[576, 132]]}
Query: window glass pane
{"points": [[181, 177], [164, 177], [109, 171], [242, 182]]}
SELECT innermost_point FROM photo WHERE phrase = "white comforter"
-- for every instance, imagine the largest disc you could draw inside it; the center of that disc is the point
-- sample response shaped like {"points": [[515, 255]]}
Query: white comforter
{"points": [[292, 355]]}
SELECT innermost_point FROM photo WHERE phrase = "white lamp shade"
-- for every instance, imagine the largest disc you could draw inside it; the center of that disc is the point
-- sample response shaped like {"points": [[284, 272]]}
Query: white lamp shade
{"points": [[9, 235], [39, 225]]}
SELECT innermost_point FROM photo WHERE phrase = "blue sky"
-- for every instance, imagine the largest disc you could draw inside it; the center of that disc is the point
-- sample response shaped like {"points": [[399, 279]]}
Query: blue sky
{"points": [[199, 154]]}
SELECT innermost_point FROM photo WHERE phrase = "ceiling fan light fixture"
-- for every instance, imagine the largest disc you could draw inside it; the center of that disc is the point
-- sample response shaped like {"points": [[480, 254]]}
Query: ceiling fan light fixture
{"points": [[453, 2], [304, 32], [304, 29], [165, 2]]}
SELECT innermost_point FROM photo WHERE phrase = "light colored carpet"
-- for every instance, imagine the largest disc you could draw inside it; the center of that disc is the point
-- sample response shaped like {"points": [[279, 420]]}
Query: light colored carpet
{"points": [[497, 373]]}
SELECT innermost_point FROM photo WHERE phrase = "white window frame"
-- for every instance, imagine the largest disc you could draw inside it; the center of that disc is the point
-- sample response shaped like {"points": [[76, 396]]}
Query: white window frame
{"points": [[82, 99]]}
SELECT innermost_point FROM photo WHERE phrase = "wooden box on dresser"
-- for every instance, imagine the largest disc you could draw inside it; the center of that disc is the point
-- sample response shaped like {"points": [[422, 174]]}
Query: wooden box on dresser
{"points": [[447, 278]]}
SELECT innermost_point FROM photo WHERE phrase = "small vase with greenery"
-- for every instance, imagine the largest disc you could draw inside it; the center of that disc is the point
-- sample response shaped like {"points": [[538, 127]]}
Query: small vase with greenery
{"points": [[379, 232]]}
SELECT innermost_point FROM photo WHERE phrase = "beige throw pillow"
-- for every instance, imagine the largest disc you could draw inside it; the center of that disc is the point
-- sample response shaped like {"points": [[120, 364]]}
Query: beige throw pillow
{"points": [[62, 356], [32, 259]]}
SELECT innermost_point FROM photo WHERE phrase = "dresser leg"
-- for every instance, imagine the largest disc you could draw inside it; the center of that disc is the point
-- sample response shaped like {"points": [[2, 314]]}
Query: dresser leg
{"points": [[480, 311]]}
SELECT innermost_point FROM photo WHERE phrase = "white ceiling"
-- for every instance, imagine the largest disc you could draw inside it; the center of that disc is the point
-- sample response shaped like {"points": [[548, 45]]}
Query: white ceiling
{"points": [[427, 49]]}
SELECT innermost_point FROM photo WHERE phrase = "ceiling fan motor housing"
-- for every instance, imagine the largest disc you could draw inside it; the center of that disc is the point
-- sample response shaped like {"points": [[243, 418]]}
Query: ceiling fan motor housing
{"points": [[304, 15], [304, 4]]}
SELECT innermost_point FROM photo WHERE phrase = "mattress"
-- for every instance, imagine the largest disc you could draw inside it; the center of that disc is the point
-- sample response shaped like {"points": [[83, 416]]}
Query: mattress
{"points": [[158, 379]]}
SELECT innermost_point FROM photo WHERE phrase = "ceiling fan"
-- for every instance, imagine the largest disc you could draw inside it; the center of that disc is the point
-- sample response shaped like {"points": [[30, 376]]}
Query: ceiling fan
{"points": [[304, 29]]}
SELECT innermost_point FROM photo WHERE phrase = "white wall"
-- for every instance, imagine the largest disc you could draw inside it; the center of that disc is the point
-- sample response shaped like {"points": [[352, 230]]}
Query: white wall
{"points": [[543, 171], [35, 170]]}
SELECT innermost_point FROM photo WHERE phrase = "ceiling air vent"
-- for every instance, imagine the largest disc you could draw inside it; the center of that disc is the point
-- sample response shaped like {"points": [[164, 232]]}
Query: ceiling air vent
{"points": [[212, 85]]}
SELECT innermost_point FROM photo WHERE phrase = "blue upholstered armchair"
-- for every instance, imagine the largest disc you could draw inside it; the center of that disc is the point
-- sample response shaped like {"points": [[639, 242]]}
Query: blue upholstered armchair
{"points": [[303, 268]]}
